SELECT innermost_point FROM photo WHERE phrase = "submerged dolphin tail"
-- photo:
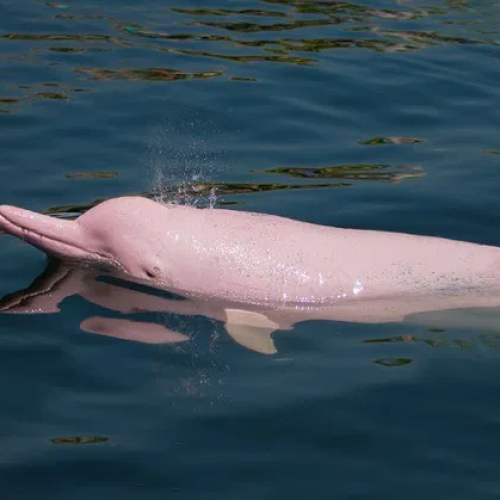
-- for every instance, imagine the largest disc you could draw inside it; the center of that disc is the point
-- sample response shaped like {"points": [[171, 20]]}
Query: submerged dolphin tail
{"points": [[62, 238]]}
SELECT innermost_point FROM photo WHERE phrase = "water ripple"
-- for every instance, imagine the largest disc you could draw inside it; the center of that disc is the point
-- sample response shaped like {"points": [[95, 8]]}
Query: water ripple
{"points": [[281, 31]]}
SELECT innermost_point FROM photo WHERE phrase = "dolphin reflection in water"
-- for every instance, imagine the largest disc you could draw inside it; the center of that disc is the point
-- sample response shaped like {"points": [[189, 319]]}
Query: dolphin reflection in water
{"points": [[250, 327]]}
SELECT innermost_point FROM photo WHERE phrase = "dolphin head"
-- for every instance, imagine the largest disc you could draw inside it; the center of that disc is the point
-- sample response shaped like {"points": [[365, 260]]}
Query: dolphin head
{"points": [[122, 234]]}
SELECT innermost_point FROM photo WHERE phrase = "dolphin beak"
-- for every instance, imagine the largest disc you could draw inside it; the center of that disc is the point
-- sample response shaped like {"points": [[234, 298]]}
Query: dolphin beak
{"points": [[64, 239]]}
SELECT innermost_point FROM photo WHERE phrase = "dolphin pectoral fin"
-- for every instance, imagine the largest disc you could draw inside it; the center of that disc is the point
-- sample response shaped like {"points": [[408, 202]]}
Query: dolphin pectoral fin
{"points": [[251, 330], [249, 318], [253, 338], [137, 331]]}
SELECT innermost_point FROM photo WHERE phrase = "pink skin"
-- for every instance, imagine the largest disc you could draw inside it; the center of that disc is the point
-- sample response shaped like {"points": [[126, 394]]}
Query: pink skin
{"points": [[254, 258], [275, 269]]}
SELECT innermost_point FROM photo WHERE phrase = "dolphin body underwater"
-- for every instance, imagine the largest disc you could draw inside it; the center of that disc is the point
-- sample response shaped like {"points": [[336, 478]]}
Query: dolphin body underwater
{"points": [[256, 273]]}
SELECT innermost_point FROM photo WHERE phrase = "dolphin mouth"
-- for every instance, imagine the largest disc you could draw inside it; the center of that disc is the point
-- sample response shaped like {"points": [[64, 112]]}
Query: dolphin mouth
{"points": [[63, 239]]}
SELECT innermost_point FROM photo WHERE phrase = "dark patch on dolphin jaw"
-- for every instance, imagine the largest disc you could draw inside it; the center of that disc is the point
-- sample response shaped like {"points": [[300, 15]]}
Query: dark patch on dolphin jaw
{"points": [[147, 288]]}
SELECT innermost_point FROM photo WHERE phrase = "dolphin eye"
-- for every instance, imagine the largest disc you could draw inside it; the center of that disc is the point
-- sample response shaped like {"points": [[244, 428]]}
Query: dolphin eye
{"points": [[149, 273]]}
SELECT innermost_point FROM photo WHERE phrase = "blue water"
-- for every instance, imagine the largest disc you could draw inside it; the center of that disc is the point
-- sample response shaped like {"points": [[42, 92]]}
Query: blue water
{"points": [[289, 107]]}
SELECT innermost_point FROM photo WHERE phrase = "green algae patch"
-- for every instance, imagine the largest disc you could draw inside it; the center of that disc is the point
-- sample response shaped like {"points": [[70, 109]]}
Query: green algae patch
{"points": [[92, 175], [242, 79], [8, 101], [392, 362], [66, 50], [80, 440], [51, 95], [246, 27], [41, 37], [147, 74], [193, 193], [392, 140], [251, 58], [229, 12], [374, 172], [491, 341]]}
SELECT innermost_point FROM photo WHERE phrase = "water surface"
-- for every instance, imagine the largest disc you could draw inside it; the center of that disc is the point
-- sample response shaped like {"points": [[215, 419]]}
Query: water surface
{"points": [[378, 115]]}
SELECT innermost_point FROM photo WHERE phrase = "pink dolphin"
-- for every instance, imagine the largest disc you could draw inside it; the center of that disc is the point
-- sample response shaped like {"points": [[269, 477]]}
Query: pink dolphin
{"points": [[259, 273]]}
